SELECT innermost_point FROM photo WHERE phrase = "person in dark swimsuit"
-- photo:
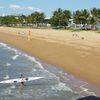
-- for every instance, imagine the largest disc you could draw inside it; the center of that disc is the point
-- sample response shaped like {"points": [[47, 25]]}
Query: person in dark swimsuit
{"points": [[23, 78], [22, 81]]}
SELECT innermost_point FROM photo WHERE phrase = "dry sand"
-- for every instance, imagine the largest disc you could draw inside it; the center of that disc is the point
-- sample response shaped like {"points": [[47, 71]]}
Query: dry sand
{"points": [[78, 53]]}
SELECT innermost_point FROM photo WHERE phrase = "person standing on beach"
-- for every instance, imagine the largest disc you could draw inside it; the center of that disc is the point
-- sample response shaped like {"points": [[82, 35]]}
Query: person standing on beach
{"points": [[29, 36]]}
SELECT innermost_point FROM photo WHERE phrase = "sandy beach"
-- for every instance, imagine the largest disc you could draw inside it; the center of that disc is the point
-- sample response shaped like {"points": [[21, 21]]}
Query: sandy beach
{"points": [[78, 53]]}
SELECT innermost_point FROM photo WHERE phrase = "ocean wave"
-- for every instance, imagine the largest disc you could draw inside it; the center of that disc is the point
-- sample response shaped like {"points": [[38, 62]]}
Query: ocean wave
{"points": [[68, 81], [6, 46], [6, 77], [61, 86], [76, 85], [37, 63], [15, 57], [7, 64], [18, 53], [33, 59], [3, 44]]}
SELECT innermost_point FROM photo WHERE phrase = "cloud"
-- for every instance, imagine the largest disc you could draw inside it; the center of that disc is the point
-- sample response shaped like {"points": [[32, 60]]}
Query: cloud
{"points": [[3, 14], [29, 8], [15, 7], [18, 7], [37, 9]]}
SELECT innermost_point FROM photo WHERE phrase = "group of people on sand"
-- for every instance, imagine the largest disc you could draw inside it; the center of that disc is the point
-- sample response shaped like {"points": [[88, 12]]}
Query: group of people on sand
{"points": [[29, 36], [76, 35]]}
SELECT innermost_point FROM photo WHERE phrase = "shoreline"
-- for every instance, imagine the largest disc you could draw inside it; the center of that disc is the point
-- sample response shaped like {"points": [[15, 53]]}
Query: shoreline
{"points": [[60, 55], [51, 68], [65, 77]]}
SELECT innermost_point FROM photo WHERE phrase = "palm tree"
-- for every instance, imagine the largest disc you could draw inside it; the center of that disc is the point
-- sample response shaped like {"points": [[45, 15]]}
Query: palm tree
{"points": [[95, 17], [86, 15], [57, 17], [67, 15], [60, 17], [37, 18], [81, 17]]}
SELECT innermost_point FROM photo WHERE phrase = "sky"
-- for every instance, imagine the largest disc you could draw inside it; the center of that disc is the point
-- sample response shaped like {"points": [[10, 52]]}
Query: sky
{"points": [[13, 7]]}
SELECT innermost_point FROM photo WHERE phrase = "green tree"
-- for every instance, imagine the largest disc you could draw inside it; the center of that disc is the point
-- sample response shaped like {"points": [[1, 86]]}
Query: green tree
{"points": [[95, 17], [60, 17], [81, 17], [37, 18]]}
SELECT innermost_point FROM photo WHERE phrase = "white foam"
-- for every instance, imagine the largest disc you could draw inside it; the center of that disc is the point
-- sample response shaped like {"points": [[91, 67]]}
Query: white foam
{"points": [[82, 87], [34, 70], [17, 52], [3, 44], [65, 78], [92, 93], [6, 77], [40, 65], [13, 86], [8, 64], [29, 57], [61, 86], [9, 48], [15, 57], [62, 75], [86, 90], [33, 59]]}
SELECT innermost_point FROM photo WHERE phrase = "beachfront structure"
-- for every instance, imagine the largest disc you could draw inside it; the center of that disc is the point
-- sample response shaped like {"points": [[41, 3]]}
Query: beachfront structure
{"points": [[73, 25]]}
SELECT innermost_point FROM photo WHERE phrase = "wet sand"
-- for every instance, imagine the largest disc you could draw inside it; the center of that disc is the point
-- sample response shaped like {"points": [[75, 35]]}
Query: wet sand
{"points": [[78, 53]]}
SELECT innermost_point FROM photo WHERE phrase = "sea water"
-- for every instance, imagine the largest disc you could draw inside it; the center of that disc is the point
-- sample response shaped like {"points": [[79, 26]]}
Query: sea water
{"points": [[55, 85]]}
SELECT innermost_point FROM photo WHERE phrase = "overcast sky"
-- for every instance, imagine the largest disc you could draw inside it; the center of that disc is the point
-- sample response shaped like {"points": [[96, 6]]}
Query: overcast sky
{"points": [[8, 7]]}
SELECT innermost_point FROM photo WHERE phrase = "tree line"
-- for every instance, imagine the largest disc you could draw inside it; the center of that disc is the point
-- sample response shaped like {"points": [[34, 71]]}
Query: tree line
{"points": [[59, 18]]}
